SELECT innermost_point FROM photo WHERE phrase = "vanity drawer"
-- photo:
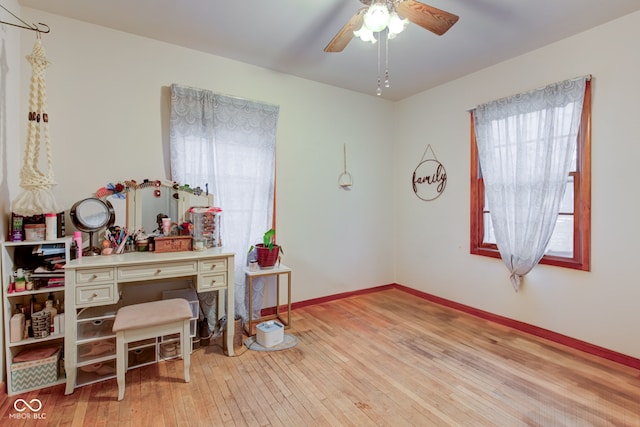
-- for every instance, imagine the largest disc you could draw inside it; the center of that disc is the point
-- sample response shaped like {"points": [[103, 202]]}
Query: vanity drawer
{"points": [[94, 275], [101, 294], [213, 265], [94, 372], [141, 356], [95, 351], [210, 282], [155, 271], [96, 329]]}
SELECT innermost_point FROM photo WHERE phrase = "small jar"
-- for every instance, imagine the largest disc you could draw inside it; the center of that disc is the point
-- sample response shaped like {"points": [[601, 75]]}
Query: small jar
{"points": [[51, 223], [29, 280], [34, 232]]}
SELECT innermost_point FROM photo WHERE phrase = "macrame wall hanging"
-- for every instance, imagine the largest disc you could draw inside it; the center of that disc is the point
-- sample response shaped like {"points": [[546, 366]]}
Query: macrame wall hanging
{"points": [[36, 197]]}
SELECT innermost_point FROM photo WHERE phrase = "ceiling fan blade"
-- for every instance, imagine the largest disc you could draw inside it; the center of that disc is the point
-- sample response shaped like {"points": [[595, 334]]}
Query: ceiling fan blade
{"points": [[344, 36], [428, 17]]}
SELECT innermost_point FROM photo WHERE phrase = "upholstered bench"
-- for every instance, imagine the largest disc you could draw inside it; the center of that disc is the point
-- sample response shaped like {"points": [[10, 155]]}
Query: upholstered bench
{"points": [[149, 320]]}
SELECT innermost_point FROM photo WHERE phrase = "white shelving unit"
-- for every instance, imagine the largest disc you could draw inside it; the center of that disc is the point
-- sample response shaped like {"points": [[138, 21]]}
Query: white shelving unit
{"points": [[95, 345], [21, 255]]}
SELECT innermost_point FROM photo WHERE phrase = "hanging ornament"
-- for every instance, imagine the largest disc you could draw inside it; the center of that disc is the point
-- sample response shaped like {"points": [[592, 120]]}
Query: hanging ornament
{"points": [[429, 179], [344, 180], [36, 197]]}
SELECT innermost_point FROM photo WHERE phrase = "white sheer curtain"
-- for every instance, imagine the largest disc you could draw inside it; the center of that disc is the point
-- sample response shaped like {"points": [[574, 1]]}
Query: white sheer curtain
{"points": [[227, 144], [526, 146]]}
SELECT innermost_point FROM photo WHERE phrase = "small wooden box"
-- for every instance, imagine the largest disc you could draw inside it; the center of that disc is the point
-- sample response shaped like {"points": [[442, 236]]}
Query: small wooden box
{"points": [[172, 244]]}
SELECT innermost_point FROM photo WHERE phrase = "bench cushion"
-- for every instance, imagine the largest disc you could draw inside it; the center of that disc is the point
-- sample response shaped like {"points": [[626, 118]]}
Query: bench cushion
{"points": [[151, 313]]}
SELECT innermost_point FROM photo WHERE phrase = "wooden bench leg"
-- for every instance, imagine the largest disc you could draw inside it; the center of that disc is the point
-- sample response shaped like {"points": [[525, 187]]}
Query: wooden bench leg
{"points": [[121, 351], [121, 364], [185, 348]]}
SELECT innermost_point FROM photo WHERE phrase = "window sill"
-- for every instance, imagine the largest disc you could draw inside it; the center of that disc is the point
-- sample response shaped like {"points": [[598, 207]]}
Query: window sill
{"points": [[556, 261]]}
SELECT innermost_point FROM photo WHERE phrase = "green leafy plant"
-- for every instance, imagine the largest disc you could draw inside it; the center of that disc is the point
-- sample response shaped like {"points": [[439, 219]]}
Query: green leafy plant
{"points": [[269, 240]]}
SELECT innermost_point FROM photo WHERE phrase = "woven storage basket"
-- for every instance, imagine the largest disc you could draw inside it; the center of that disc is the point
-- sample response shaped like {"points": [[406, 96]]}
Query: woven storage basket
{"points": [[41, 324], [35, 373], [237, 336]]}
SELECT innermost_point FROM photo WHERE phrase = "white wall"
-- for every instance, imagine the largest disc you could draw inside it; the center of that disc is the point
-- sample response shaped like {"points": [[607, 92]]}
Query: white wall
{"points": [[108, 101], [601, 306], [9, 114]]}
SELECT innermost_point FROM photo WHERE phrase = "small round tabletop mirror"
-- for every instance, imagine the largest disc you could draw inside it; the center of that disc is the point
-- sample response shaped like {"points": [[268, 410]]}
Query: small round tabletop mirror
{"points": [[90, 215]]}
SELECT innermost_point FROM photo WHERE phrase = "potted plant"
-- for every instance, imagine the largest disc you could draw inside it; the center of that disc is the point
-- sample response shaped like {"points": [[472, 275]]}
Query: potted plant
{"points": [[268, 251]]}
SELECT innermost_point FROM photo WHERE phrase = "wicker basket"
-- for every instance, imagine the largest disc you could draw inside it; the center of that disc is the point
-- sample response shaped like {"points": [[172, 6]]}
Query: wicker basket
{"points": [[41, 324], [237, 336]]}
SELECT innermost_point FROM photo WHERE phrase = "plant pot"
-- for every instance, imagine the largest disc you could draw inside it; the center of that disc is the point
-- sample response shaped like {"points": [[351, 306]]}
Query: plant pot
{"points": [[267, 258]]}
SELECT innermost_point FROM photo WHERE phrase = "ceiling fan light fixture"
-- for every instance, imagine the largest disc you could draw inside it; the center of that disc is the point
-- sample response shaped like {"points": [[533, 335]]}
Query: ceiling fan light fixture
{"points": [[396, 24], [365, 34], [377, 17], [370, 22]]}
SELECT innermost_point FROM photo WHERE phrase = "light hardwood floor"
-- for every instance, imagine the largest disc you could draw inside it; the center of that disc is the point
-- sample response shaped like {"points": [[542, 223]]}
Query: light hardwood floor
{"points": [[386, 358]]}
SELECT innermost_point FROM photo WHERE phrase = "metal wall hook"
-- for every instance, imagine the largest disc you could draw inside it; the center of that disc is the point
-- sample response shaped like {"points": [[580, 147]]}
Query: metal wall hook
{"points": [[33, 27]]}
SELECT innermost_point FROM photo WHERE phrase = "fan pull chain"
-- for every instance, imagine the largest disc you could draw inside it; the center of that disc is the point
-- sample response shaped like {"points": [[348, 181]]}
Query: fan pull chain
{"points": [[379, 89], [386, 60]]}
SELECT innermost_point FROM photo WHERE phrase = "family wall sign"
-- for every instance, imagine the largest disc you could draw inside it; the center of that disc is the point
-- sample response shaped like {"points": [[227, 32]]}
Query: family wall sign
{"points": [[429, 178]]}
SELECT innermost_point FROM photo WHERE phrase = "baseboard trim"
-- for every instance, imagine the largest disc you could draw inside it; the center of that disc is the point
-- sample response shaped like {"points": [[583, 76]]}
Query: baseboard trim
{"points": [[574, 343], [577, 344], [314, 301]]}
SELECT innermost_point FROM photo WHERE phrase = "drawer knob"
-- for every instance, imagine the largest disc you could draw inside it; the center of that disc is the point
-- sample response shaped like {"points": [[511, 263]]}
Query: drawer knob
{"points": [[94, 295], [213, 267], [94, 277], [158, 271]]}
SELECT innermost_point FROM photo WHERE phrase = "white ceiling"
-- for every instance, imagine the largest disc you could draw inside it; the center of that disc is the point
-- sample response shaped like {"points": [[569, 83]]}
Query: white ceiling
{"points": [[290, 35]]}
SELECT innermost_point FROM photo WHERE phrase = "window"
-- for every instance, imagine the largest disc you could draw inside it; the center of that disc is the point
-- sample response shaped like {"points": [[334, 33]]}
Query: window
{"points": [[229, 144], [570, 243]]}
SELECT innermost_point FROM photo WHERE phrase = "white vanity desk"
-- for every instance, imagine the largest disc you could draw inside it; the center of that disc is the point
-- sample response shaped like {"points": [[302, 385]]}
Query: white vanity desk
{"points": [[93, 282]]}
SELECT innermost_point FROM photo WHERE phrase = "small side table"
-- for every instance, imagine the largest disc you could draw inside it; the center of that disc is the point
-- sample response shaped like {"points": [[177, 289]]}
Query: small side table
{"points": [[277, 270]]}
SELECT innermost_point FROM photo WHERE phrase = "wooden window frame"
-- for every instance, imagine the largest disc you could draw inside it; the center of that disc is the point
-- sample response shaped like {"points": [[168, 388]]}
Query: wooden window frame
{"points": [[581, 259]]}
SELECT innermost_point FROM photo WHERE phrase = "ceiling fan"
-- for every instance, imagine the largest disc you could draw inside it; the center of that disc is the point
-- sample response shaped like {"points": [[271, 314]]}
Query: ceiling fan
{"points": [[428, 17]]}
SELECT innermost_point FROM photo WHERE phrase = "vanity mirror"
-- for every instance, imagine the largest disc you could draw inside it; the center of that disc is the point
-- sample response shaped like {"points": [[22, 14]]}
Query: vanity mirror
{"points": [[91, 215], [116, 195], [138, 205], [119, 208], [152, 202]]}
